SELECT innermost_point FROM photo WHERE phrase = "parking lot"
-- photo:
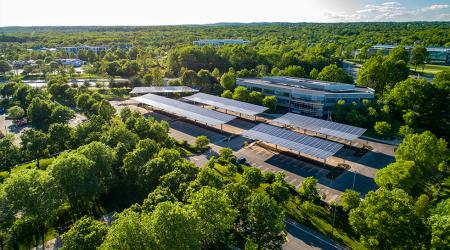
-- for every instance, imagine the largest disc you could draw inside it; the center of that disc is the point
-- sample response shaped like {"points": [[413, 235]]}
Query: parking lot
{"points": [[359, 176]]}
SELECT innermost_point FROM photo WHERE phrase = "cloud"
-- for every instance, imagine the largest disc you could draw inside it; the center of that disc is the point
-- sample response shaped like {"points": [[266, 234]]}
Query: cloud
{"points": [[390, 11], [435, 7]]}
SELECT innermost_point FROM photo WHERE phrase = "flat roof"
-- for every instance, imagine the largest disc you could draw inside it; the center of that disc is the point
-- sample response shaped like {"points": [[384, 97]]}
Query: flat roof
{"points": [[186, 110], [305, 85], [163, 89], [294, 141], [228, 104], [324, 127]]}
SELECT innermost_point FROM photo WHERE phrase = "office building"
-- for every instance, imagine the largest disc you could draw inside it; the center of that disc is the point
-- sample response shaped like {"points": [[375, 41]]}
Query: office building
{"points": [[219, 42], [436, 55], [306, 96], [71, 62]]}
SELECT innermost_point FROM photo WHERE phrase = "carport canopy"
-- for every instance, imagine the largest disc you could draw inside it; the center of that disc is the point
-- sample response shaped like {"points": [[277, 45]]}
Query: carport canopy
{"points": [[227, 104], [294, 141], [185, 110], [324, 127], [163, 89]]}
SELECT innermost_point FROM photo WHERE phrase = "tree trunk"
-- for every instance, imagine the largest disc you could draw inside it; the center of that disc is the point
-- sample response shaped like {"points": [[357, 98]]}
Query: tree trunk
{"points": [[37, 163], [36, 241], [43, 238]]}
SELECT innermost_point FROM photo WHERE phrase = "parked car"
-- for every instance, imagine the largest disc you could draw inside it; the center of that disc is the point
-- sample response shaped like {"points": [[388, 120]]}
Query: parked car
{"points": [[242, 160]]}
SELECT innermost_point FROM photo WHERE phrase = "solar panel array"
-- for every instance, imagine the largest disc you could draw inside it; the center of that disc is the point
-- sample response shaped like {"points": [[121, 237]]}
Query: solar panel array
{"points": [[330, 128], [163, 89], [183, 109], [294, 141], [228, 104]]}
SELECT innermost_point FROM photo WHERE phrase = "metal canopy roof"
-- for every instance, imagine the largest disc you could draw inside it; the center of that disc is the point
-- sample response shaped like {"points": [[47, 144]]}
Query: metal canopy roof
{"points": [[228, 104], [183, 109], [294, 141], [163, 89], [330, 128]]}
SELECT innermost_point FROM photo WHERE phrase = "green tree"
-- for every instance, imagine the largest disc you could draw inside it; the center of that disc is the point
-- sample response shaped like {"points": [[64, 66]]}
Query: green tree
{"points": [[202, 142], [227, 94], [214, 210], [39, 112], [9, 153], [293, 70], [279, 191], [333, 73], [418, 56], [228, 81], [240, 94], [86, 233], [399, 53], [379, 72], [60, 137], [35, 195], [383, 129], [270, 102], [428, 102], [16, 113], [106, 110], [175, 227], [34, 144], [350, 200], [252, 177], [4, 67], [104, 158], [265, 222], [130, 231], [427, 152], [308, 190], [255, 97], [314, 74], [439, 221], [75, 174], [189, 78], [386, 219], [400, 174], [61, 114]]}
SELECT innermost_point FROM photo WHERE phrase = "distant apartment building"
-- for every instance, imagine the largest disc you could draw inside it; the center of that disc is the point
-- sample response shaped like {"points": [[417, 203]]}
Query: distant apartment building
{"points": [[71, 62], [436, 55], [306, 96], [219, 42], [75, 49]]}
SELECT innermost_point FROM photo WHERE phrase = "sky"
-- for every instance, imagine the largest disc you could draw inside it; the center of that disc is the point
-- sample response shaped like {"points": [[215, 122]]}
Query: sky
{"points": [[173, 12]]}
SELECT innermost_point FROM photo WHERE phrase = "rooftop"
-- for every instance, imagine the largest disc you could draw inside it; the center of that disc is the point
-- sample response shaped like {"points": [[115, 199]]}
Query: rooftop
{"points": [[306, 85]]}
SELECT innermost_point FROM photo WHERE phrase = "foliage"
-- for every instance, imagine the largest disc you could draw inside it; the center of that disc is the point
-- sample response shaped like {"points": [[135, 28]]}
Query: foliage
{"points": [[350, 200], [86, 233], [265, 222], [333, 73], [270, 102], [308, 189], [386, 219]]}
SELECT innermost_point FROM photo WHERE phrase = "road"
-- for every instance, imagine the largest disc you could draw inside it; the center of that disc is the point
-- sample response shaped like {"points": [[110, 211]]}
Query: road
{"points": [[301, 237]]}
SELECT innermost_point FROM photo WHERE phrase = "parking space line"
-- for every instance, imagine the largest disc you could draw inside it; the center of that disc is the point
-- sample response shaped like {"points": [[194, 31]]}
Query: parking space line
{"points": [[265, 170], [292, 181]]}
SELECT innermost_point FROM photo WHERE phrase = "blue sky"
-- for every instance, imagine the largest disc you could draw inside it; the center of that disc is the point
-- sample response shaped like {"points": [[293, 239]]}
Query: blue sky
{"points": [[168, 12]]}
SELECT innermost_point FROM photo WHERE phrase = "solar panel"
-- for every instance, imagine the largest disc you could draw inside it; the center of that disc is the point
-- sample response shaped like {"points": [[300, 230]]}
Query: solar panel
{"points": [[228, 104], [183, 109], [294, 141], [330, 128], [163, 89]]}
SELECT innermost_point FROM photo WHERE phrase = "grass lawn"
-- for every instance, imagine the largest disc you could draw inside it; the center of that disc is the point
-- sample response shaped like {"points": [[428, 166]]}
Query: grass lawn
{"points": [[430, 69], [43, 162]]}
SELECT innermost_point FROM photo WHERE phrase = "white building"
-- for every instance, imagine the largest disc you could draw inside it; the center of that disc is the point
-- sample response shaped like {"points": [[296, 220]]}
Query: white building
{"points": [[219, 42]]}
